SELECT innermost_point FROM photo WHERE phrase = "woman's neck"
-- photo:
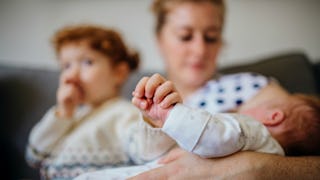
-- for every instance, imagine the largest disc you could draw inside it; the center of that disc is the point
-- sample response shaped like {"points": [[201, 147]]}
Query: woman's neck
{"points": [[185, 88], [185, 91]]}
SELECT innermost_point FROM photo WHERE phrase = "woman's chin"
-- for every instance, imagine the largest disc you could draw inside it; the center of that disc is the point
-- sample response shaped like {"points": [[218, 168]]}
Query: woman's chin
{"points": [[195, 82]]}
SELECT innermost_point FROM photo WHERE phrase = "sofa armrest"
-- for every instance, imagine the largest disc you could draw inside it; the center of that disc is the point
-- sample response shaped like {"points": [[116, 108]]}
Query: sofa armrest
{"points": [[26, 94]]}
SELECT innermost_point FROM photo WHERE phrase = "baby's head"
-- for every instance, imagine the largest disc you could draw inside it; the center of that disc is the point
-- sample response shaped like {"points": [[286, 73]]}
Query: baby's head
{"points": [[93, 59], [299, 132]]}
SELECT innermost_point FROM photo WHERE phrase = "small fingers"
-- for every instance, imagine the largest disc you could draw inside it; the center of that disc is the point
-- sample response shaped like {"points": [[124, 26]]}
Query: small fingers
{"points": [[140, 103], [140, 88], [170, 100], [163, 90], [153, 83]]}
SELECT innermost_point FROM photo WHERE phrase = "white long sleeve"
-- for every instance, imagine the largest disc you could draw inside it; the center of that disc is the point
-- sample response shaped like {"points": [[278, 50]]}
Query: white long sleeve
{"points": [[219, 134]]}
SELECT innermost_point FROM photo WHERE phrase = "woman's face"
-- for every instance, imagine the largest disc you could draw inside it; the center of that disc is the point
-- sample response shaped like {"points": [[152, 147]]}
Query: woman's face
{"points": [[190, 41]]}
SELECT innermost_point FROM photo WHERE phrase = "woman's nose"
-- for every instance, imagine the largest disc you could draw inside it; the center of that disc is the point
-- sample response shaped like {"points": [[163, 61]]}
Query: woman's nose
{"points": [[199, 46]]}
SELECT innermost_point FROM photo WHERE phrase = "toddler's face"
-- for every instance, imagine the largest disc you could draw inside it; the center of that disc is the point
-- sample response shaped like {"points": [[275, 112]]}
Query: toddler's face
{"points": [[89, 71]]}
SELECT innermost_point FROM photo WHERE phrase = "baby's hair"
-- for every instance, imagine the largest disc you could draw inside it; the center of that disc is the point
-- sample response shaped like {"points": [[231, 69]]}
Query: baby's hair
{"points": [[106, 41], [305, 116], [161, 8]]}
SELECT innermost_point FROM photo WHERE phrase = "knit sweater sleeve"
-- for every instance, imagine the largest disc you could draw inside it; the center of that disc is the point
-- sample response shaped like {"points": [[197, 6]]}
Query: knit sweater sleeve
{"points": [[44, 136], [219, 134], [145, 143]]}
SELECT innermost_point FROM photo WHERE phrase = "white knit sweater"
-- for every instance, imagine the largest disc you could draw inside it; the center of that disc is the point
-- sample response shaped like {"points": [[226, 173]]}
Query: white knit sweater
{"points": [[109, 136]]}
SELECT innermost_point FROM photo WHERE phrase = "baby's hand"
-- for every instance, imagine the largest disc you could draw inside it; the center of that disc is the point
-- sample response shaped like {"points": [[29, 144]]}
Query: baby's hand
{"points": [[155, 96], [69, 97]]}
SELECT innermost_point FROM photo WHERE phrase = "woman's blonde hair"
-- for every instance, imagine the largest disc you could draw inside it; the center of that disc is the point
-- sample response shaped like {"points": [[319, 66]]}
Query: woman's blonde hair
{"points": [[161, 8]]}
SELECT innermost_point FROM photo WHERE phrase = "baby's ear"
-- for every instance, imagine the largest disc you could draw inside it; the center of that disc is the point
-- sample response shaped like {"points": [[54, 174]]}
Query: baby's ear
{"points": [[274, 117]]}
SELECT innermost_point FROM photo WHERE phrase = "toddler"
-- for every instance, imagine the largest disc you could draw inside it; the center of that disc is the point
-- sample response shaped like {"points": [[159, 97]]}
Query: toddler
{"points": [[91, 126]]}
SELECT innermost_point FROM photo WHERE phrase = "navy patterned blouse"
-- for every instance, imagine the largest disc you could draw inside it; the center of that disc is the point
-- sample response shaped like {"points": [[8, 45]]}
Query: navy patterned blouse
{"points": [[227, 92]]}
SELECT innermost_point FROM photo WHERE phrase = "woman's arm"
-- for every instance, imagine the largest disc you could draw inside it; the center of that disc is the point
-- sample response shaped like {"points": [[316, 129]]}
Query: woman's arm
{"points": [[278, 167], [242, 165]]}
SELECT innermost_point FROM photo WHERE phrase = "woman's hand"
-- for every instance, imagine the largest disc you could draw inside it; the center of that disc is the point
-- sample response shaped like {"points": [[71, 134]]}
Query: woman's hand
{"points": [[242, 165], [179, 165], [184, 165]]}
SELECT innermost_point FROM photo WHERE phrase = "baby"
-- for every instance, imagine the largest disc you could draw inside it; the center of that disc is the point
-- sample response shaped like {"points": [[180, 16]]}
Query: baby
{"points": [[292, 119], [261, 125]]}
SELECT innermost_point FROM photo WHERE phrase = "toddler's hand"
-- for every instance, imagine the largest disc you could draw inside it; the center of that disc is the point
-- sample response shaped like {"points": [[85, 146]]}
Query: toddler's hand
{"points": [[69, 96], [155, 96]]}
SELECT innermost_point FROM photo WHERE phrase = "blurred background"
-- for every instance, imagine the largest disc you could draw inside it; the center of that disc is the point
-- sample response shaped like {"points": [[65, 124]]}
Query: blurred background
{"points": [[28, 67], [254, 28]]}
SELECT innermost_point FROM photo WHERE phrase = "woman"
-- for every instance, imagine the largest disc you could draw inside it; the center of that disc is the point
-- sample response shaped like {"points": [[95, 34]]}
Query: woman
{"points": [[189, 35]]}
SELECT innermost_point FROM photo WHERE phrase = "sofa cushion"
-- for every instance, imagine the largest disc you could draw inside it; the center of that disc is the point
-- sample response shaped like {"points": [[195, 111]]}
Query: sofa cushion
{"points": [[294, 71], [317, 75], [25, 95]]}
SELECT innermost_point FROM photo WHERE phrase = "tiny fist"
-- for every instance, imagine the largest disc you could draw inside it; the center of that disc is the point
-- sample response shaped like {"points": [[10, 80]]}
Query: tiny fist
{"points": [[136, 94], [143, 104]]}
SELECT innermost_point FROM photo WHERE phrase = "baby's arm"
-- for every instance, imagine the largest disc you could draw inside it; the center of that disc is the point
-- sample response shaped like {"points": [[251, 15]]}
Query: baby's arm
{"points": [[216, 135], [155, 97]]}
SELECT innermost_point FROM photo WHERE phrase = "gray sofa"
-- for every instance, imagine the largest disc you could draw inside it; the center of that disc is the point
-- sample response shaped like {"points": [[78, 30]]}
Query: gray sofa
{"points": [[26, 94]]}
